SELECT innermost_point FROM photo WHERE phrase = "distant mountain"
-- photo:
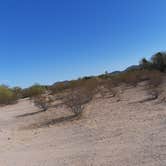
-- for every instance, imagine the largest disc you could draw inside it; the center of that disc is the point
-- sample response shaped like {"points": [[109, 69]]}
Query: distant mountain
{"points": [[61, 82], [115, 72], [133, 67]]}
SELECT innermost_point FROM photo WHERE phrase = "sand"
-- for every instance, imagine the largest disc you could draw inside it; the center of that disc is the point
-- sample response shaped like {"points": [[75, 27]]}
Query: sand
{"points": [[110, 133]]}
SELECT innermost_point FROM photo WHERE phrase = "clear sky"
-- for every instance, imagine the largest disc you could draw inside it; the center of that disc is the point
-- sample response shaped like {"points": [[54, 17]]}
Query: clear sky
{"points": [[46, 41]]}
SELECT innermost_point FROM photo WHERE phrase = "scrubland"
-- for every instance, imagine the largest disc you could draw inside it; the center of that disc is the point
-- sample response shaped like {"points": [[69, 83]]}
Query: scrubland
{"points": [[92, 121]]}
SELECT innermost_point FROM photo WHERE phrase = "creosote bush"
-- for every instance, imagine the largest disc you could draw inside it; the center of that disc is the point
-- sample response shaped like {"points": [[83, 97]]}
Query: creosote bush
{"points": [[33, 91], [155, 79], [75, 100], [7, 96], [134, 77], [89, 82], [81, 93], [42, 101]]}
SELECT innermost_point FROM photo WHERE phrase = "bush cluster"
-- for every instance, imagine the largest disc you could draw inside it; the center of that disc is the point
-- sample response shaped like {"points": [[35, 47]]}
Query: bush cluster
{"points": [[79, 93], [158, 62], [33, 91], [134, 77], [7, 95], [76, 93], [43, 102]]}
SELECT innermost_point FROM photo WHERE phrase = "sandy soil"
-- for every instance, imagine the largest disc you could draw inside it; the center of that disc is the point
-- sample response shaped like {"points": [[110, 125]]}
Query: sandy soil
{"points": [[110, 133]]}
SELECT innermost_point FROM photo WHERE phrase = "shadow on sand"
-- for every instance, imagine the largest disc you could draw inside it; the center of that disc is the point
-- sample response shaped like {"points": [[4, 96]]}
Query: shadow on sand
{"points": [[29, 114], [59, 120], [38, 112]]}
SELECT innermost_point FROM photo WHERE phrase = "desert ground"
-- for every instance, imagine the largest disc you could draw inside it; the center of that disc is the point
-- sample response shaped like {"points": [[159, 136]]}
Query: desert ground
{"points": [[111, 132]]}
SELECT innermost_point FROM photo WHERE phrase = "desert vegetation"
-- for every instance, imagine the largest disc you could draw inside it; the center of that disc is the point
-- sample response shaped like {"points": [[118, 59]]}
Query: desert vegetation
{"points": [[157, 62], [7, 95], [33, 91], [75, 94], [43, 102], [80, 93]]}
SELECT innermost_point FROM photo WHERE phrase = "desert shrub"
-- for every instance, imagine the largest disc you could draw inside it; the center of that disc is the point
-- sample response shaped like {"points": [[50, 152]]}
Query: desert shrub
{"points": [[132, 78], [7, 96], [145, 64], [90, 85], [75, 100], [68, 85], [33, 91], [159, 61], [17, 92], [42, 101], [104, 76], [106, 86], [129, 78], [60, 87], [155, 78], [87, 77], [80, 93]]}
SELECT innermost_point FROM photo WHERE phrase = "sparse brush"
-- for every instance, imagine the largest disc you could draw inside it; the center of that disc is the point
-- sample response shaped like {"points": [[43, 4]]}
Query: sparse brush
{"points": [[7, 96], [76, 99], [33, 91], [155, 79], [107, 88], [17, 92], [43, 102], [154, 82]]}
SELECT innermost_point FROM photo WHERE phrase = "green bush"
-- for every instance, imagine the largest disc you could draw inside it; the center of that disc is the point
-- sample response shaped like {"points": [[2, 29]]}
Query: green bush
{"points": [[157, 62], [7, 96], [146, 65], [33, 91]]}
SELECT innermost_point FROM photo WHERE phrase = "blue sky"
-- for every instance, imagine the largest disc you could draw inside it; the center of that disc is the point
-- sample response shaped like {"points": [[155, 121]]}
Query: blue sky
{"points": [[46, 41]]}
